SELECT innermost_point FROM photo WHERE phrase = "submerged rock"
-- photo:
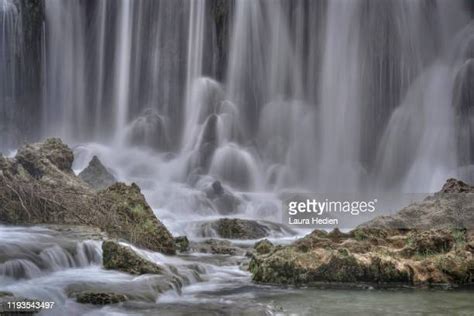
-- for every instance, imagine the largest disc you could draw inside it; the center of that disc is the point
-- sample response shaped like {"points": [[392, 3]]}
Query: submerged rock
{"points": [[100, 298], [97, 175], [38, 186], [123, 258]]}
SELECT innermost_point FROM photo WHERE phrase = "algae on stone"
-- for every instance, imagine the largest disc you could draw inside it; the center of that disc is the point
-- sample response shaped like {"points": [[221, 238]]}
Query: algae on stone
{"points": [[123, 258]]}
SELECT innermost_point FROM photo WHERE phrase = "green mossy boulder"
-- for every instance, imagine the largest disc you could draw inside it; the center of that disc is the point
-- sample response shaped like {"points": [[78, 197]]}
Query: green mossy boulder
{"points": [[123, 258], [182, 243], [38, 186], [235, 228], [134, 219], [263, 246], [385, 257]]}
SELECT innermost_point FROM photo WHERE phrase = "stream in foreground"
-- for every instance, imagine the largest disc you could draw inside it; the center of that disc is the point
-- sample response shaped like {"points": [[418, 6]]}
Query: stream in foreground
{"points": [[48, 265]]}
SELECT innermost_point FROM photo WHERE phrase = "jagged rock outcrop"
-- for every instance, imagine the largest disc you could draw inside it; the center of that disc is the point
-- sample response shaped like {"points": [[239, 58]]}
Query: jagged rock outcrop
{"points": [[38, 186], [452, 207], [97, 175], [427, 243], [131, 218], [123, 258]]}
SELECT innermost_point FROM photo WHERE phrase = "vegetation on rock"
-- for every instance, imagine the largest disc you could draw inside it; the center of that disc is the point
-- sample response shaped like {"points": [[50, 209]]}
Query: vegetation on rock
{"points": [[382, 252], [263, 246], [424, 258], [235, 228], [182, 243], [217, 247], [123, 258], [38, 186]]}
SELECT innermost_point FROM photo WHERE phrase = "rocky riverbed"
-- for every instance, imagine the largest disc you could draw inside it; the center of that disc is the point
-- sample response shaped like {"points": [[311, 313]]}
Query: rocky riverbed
{"points": [[86, 246]]}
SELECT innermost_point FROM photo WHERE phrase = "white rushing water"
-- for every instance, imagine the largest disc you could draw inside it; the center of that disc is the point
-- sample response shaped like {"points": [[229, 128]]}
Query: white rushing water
{"points": [[269, 97], [264, 95], [52, 266]]}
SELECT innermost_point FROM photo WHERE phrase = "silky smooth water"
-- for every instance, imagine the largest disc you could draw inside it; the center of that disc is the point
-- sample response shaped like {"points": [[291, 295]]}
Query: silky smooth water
{"points": [[362, 97], [320, 95], [266, 96], [55, 264]]}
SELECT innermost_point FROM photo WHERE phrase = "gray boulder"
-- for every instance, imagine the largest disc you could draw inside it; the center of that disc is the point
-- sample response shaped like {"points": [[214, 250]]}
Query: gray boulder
{"points": [[97, 175], [452, 207]]}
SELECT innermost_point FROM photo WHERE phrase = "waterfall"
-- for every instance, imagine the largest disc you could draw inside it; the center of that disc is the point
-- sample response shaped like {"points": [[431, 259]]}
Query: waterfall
{"points": [[10, 49], [122, 67], [323, 95]]}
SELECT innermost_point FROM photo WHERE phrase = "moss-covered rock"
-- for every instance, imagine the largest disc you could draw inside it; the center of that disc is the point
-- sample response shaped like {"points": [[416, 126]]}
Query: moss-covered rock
{"points": [[38, 186], [235, 228], [134, 219], [430, 242], [182, 243], [49, 158], [263, 246], [456, 186], [216, 247], [100, 298], [368, 256], [458, 266], [123, 258]]}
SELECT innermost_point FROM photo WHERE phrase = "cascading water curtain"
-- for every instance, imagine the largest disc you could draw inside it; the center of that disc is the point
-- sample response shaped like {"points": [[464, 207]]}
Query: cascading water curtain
{"points": [[326, 95]]}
